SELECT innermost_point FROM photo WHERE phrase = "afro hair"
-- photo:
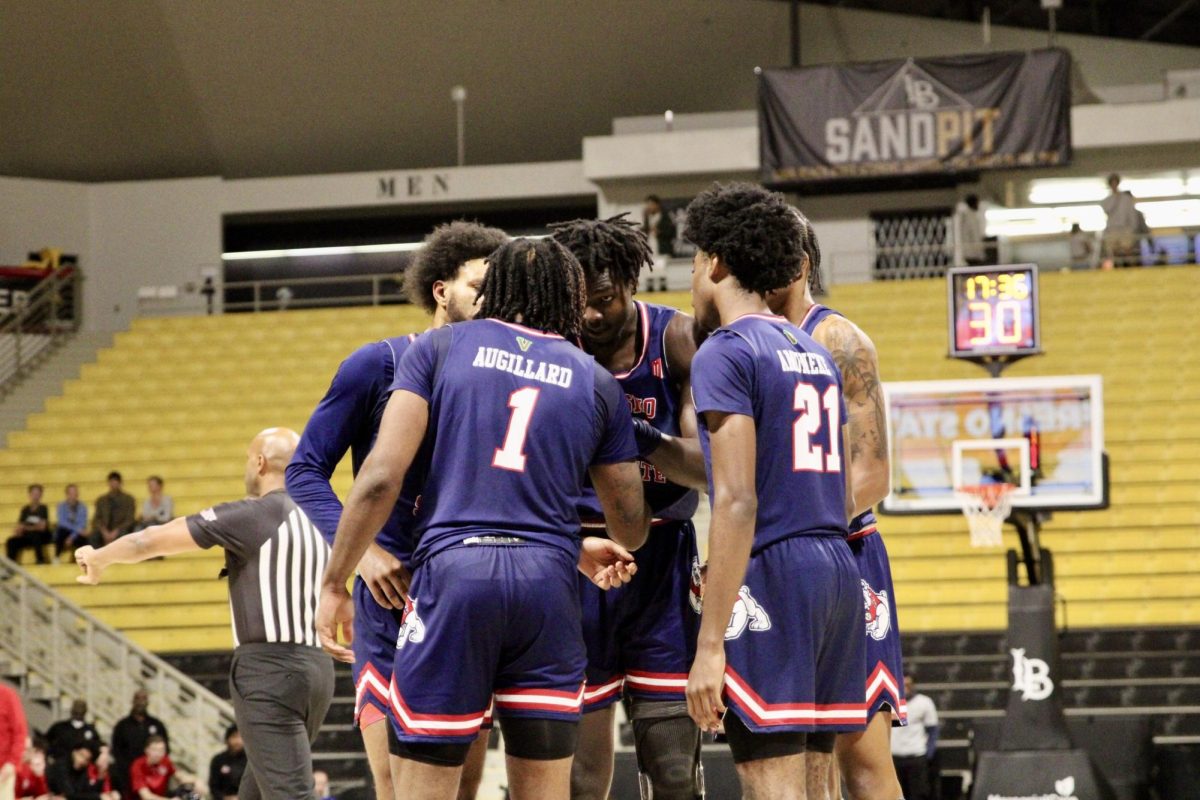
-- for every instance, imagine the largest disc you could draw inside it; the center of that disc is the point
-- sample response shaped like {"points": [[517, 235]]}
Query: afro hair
{"points": [[446, 249], [757, 235]]}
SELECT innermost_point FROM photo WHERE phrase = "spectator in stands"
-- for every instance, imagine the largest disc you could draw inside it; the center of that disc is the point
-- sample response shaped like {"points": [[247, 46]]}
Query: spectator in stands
{"points": [[157, 508], [1081, 248], [321, 789], [33, 528], [70, 529], [67, 734], [77, 778], [915, 744], [102, 769], [130, 736], [969, 229], [226, 768], [1120, 231], [13, 731], [154, 777], [115, 513], [658, 226], [31, 776]]}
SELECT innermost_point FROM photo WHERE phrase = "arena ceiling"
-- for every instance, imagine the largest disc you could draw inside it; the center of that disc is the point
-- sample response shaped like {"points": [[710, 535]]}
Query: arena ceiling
{"points": [[139, 89]]}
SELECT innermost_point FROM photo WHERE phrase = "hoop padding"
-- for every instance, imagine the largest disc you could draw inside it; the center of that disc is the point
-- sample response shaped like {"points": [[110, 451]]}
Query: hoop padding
{"points": [[986, 506]]}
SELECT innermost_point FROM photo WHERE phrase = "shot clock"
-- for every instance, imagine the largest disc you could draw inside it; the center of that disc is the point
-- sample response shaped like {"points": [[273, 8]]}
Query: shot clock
{"points": [[993, 311]]}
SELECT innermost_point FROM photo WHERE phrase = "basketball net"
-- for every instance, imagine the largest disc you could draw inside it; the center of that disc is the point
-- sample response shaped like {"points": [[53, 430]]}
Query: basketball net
{"points": [[986, 506]]}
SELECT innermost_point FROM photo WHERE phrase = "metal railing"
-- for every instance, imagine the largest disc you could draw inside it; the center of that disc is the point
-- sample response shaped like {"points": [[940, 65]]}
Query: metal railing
{"points": [[278, 294], [60, 652], [37, 324]]}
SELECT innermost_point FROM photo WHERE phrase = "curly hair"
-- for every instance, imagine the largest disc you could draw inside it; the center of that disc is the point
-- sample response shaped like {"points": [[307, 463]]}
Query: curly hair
{"points": [[754, 232], [446, 249], [536, 282], [615, 247]]}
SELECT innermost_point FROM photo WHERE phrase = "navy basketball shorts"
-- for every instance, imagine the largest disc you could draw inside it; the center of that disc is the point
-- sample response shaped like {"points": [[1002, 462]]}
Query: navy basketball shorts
{"points": [[884, 668], [374, 646], [488, 619], [642, 636], [794, 644]]}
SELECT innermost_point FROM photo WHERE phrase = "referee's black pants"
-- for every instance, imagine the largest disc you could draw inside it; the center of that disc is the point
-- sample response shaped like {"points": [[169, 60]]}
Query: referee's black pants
{"points": [[280, 694], [913, 774]]}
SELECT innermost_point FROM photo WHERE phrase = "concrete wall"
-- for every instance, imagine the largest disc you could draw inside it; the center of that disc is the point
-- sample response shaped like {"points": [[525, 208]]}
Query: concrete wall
{"points": [[36, 214]]}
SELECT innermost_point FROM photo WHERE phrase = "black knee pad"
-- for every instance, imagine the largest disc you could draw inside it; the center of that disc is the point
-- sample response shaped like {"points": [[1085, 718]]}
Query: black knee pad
{"points": [[433, 753], [539, 739], [820, 742], [668, 754], [745, 745]]}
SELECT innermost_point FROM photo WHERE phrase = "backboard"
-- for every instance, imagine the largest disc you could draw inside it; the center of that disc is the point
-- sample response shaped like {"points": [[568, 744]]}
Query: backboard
{"points": [[1044, 435]]}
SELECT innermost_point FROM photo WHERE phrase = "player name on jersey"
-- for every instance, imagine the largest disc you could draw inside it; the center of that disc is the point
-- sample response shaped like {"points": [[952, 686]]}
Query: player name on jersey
{"points": [[522, 367], [804, 363]]}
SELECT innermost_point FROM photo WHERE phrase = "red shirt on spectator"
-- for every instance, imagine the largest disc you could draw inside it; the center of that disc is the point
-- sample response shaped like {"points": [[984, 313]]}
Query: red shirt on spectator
{"points": [[30, 785], [12, 727], [155, 778]]}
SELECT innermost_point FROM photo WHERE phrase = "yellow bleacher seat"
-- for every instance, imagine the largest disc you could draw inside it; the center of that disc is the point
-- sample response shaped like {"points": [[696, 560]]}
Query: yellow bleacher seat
{"points": [[1137, 563]]}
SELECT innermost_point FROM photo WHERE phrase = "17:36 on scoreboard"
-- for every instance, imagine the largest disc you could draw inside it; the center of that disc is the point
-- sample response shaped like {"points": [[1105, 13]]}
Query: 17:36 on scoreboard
{"points": [[993, 311]]}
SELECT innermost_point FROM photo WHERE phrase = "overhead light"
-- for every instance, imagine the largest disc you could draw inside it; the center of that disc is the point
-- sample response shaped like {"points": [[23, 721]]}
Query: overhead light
{"points": [[1154, 187], [1171, 213], [1057, 191], [300, 252], [1043, 220]]}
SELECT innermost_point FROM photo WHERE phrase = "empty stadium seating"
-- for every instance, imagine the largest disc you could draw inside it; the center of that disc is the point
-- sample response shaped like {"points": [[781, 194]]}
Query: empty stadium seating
{"points": [[181, 397]]}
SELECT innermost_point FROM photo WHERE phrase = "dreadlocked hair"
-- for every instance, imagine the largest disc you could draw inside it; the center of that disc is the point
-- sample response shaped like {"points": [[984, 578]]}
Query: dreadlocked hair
{"points": [[615, 247], [812, 250], [754, 232], [537, 283]]}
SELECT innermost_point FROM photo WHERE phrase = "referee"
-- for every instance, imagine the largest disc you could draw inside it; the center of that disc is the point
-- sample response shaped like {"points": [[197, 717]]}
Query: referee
{"points": [[280, 680]]}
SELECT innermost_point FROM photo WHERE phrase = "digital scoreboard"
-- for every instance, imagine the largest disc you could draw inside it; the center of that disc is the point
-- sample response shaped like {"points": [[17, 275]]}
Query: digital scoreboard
{"points": [[993, 311]]}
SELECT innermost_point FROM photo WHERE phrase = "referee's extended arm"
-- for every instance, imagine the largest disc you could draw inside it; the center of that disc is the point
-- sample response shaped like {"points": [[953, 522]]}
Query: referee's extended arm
{"points": [[168, 539]]}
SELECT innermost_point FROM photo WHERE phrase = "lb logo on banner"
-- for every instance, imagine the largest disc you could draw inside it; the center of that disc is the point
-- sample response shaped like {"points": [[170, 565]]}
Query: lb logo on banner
{"points": [[1031, 676], [915, 116]]}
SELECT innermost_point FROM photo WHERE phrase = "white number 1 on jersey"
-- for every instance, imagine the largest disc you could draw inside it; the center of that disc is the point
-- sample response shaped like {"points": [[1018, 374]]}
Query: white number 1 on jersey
{"points": [[511, 456], [808, 457]]}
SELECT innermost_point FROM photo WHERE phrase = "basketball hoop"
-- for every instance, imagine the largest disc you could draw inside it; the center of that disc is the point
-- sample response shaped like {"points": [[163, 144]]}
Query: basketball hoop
{"points": [[986, 506]]}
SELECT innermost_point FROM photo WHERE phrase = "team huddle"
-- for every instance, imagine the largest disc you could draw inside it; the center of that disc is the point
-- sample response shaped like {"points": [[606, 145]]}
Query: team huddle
{"points": [[526, 473]]}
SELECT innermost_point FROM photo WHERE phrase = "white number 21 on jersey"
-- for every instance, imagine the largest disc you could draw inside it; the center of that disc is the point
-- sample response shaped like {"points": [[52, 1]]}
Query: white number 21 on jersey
{"points": [[806, 456], [511, 455]]}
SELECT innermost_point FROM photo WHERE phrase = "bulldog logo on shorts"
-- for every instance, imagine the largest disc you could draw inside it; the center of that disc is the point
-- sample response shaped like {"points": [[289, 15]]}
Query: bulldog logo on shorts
{"points": [[696, 590], [878, 612], [412, 629], [747, 613]]}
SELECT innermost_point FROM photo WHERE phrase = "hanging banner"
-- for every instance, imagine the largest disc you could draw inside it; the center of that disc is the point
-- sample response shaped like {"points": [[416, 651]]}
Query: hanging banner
{"points": [[922, 116]]}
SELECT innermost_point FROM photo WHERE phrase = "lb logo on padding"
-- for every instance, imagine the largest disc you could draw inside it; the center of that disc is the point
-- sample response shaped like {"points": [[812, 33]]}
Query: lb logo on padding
{"points": [[877, 612]]}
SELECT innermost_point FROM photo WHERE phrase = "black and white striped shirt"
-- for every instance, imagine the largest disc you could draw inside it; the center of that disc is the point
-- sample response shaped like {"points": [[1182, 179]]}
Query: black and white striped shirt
{"points": [[275, 558]]}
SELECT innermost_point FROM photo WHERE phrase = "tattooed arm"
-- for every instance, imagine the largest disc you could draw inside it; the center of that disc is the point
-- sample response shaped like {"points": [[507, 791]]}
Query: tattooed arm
{"points": [[855, 356]]}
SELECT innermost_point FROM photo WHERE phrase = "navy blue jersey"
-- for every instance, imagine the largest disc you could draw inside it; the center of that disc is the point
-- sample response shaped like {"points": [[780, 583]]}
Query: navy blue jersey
{"points": [[764, 367], [653, 394], [347, 418], [518, 416], [865, 522]]}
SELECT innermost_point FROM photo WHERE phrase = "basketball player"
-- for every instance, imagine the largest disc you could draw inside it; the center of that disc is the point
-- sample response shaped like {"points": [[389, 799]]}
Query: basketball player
{"points": [[444, 279], [865, 757], [780, 634], [644, 634], [516, 416]]}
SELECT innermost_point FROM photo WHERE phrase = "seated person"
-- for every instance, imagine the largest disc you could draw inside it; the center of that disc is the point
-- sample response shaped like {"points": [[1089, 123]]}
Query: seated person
{"points": [[70, 530], [116, 513], [33, 528], [77, 778], [31, 775], [154, 777], [157, 508]]}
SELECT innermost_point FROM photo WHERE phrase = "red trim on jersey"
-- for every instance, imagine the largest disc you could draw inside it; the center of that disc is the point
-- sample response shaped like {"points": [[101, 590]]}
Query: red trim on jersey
{"points": [[811, 310], [861, 534], [881, 679], [593, 693], [766, 714], [645, 313], [530, 331], [369, 680], [434, 724], [535, 699], [664, 682], [767, 317], [369, 716]]}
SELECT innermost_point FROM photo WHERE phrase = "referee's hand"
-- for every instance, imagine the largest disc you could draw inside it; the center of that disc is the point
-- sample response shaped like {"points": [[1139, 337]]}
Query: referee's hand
{"points": [[86, 558], [335, 609]]}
